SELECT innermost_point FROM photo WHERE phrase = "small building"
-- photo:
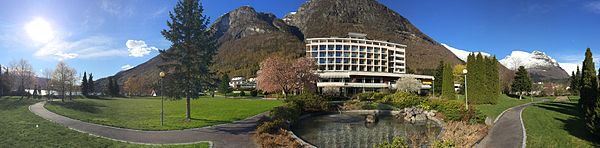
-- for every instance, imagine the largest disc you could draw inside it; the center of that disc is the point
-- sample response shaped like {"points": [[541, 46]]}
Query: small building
{"points": [[242, 83]]}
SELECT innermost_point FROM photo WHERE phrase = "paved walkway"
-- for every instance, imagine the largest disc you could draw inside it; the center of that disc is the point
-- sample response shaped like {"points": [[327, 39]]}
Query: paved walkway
{"points": [[508, 131], [236, 134]]}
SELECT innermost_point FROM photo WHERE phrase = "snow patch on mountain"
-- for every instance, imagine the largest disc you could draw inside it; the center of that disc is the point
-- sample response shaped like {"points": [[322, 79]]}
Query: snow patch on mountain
{"points": [[528, 60], [462, 54]]}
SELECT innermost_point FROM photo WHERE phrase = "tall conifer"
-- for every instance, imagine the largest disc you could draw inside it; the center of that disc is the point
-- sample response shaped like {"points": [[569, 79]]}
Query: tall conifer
{"points": [[448, 83]]}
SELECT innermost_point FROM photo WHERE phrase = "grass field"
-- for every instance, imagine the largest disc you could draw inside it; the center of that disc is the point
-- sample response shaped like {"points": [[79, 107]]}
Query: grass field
{"points": [[504, 102], [18, 129], [144, 113], [557, 124]]}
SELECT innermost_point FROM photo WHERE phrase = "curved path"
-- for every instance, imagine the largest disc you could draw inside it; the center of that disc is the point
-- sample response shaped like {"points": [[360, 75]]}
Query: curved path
{"points": [[236, 134], [508, 131]]}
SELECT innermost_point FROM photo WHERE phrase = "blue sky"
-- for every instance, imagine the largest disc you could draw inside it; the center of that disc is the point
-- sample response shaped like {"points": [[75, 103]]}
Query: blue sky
{"points": [[103, 36]]}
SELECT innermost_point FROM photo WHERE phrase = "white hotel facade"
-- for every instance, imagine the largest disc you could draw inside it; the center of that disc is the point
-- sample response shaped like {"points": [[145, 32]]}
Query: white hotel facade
{"points": [[355, 64]]}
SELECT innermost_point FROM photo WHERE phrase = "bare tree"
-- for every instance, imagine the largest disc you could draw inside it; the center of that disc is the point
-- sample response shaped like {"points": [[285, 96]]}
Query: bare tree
{"points": [[408, 84], [63, 79], [22, 75]]}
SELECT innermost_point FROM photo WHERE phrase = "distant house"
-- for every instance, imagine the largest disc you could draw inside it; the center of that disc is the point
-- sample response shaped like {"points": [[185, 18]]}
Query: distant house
{"points": [[241, 82]]}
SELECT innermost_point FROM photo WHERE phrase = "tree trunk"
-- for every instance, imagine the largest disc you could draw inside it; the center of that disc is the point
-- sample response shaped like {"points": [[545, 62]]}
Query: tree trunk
{"points": [[187, 104]]}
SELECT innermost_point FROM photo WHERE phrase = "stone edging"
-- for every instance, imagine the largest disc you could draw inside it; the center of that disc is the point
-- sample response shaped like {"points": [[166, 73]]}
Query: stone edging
{"points": [[391, 112]]}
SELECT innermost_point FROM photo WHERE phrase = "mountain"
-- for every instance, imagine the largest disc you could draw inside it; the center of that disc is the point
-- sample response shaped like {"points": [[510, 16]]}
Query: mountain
{"points": [[326, 18], [462, 54], [540, 66], [246, 37]]}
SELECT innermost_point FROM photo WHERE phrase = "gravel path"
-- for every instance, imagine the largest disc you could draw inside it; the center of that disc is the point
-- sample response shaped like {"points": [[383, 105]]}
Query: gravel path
{"points": [[508, 131], [235, 135]]}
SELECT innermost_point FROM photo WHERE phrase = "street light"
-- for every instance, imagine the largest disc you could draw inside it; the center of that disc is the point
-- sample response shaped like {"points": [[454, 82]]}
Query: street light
{"points": [[162, 100], [466, 95]]}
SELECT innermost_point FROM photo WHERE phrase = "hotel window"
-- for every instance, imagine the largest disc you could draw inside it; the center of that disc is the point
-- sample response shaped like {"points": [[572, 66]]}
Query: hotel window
{"points": [[346, 47], [338, 54], [338, 60], [322, 61], [346, 54], [339, 47], [376, 50], [369, 49], [314, 54], [321, 47], [354, 48], [330, 47], [322, 54], [353, 54], [314, 48], [330, 54]]}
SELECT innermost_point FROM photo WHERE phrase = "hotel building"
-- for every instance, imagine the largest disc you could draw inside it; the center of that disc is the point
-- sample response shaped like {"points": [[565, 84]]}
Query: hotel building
{"points": [[355, 64]]}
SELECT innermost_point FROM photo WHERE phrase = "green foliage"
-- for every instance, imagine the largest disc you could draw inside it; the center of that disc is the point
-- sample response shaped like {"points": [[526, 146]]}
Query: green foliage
{"points": [[483, 80], [253, 93], [443, 144], [84, 84], [224, 85], [289, 112], [397, 142], [242, 93], [522, 83], [309, 102], [588, 101], [402, 99], [438, 78], [452, 109], [113, 87], [271, 127], [370, 96], [448, 83], [90, 84], [575, 81]]}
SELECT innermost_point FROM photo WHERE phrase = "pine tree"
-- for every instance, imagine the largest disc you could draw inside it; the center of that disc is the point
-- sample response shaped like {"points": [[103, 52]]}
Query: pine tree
{"points": [[84, 84], [116, 88], [191, 50], [522, 82], [438, 78], [448, 83], [224, 85], [90, 84], [588, 93]]}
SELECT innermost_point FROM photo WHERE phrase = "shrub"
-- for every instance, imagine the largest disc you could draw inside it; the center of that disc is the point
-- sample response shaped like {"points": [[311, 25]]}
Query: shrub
{"points": [[462, 134], [242, 93], [289, 112], [402, 99], [253, 93], [397, 142], [271, 127], [309, 102], [453, 110], [280, 139]]}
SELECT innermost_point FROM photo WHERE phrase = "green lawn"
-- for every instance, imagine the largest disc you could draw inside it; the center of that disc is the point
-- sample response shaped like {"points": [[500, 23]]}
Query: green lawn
{"points": [[504, 102], [144, 113], [18, 129], [556, 124]]}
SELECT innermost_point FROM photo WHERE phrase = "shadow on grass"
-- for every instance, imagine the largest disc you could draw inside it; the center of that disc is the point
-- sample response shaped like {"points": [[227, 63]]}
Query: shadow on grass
{"points": [[574, 125], [79, 106], [7, 103]]}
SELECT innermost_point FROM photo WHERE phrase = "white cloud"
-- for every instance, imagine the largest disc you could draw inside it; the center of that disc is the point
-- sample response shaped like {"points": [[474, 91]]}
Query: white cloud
{"points": [[91, 47], [462, 54], [570, 67], [139, 48], [159, 12], [116, 9], [126, 67], [593, 6]]}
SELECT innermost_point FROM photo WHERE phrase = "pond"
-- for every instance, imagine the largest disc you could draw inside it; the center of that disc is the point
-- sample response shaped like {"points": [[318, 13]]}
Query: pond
{"points": [[351, 130]]}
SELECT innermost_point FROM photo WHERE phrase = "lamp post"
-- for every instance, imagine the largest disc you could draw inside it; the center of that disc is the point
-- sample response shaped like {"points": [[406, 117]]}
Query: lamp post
{"points": [[162, 100], [466, 94]]}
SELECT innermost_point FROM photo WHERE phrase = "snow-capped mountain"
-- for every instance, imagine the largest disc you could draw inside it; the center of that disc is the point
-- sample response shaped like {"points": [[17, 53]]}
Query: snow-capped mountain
{"points": [[540, 66], [462, 54]]}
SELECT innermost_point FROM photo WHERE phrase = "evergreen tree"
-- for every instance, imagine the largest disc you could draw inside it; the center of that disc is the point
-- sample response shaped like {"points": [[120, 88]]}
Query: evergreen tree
{"points": [[224, 85], [522, 82], [116, 88], [588, 93], [191, 50], [483, 79], [84, 84], [438, 78], [448, 83], [90, 84]]}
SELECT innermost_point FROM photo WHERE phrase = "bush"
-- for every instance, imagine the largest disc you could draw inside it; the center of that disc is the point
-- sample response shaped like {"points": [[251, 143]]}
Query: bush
{"points": [[271, 127], [309, 102], [453, 110], [242, 93], [289, 112], [397, 142], [370, 96], [253, 93], [402, 99]]}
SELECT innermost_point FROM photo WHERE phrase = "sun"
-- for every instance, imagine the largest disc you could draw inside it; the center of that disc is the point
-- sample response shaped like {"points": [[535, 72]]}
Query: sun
{"points": [[39, 30]]}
